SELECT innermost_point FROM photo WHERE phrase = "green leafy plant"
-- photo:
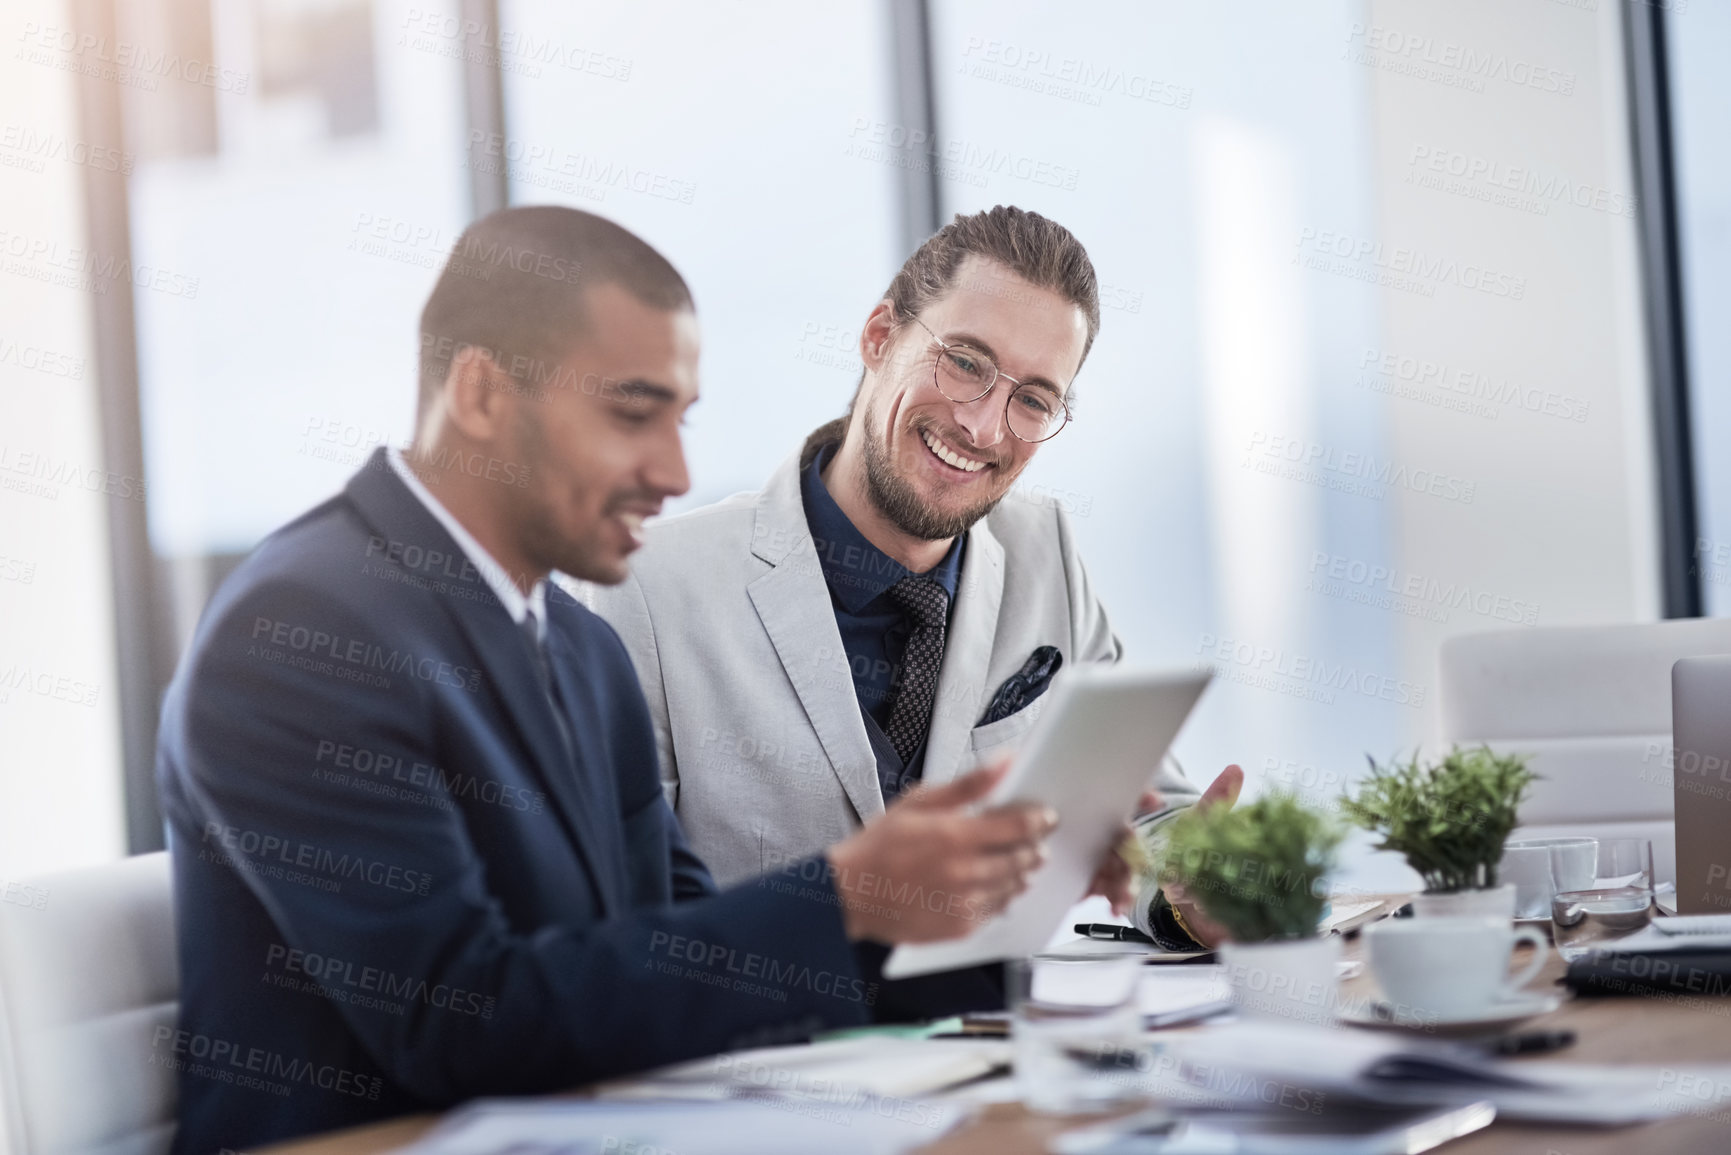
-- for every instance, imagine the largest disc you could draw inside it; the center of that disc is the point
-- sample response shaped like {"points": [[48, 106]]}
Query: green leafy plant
{"points": [[1449, 819], [1256, 869]]}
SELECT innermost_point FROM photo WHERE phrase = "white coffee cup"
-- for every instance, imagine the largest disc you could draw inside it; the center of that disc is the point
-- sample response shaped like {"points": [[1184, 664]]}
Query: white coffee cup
{"points": [[1540, 867], [1448, 967]]}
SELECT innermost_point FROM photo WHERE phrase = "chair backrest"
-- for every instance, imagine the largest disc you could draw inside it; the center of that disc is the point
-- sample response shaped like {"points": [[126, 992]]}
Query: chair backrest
{"points": [[1592, 704], [88, 979]]}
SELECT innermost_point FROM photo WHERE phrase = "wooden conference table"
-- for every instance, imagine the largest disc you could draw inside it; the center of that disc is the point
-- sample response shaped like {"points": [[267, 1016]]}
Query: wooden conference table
{"points": [[1620, 1030]]}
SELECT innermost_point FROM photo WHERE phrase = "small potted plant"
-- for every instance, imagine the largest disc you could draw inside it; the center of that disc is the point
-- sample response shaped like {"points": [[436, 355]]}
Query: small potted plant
{"points": [[1449, 819], [1259, 871]]}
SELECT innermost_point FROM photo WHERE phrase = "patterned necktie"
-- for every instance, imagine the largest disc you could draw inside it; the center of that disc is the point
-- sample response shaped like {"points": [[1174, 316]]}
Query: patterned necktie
{"points": [[928, 604], [544, 674]]}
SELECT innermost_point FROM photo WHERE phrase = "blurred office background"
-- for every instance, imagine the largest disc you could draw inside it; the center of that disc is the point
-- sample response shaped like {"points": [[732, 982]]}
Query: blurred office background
{"points": [[1407, 309]]}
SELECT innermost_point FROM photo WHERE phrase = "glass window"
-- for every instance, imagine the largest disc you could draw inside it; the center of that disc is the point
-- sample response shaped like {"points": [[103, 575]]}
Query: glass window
{"points": [[725, 135], [1187, 151], [299, 208], [1697, 39], [1345, 402]]}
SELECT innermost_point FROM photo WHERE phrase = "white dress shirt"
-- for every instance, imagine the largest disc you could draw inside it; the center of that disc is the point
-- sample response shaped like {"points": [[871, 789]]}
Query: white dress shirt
{"points": [[491, 571]]}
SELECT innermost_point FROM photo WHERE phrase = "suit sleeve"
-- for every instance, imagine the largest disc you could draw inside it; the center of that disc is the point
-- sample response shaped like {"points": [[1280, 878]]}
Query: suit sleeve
{"points": [[1095, 641], [626, 609], [691, 879], [403, 889]]}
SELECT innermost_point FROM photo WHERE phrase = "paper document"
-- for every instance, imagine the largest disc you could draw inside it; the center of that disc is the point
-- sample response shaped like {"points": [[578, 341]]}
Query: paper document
{"points": [[1652, 938], [1347, 916], [1177, 996], [1240, 1061], [567, 1127], [845, 1069], [1086, 948], [1173, 989], [1694, 924]]}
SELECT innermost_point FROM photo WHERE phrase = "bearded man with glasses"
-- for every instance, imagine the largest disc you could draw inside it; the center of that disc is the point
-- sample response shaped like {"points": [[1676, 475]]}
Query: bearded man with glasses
{"points": [[878, 615]]}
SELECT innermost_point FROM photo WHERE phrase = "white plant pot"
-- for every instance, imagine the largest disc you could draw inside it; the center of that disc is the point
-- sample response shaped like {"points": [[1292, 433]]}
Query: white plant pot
{"points": [[1292, 979], [1495, 902]]}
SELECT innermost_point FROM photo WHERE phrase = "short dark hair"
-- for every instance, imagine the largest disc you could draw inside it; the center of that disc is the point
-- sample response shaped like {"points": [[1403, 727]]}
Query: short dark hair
{"points": [[1039, 250], [515, 286]]}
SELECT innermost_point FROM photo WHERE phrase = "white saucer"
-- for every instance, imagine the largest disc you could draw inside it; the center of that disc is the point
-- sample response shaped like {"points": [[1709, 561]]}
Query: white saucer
{"points": [[1500, 1015]]}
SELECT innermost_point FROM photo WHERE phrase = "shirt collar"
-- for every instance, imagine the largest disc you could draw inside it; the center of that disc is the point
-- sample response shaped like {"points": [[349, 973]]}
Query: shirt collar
{"points": [[856, 571], [491, 571]]}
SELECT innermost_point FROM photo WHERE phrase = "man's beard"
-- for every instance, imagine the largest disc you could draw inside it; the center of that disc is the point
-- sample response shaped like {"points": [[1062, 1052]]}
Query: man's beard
{"points": [[537, 527], [897, 500]]}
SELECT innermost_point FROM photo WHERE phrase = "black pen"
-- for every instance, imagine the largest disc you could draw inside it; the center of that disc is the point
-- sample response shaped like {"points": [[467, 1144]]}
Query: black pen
{"points": [[1532, 1043], [1112, 932]]}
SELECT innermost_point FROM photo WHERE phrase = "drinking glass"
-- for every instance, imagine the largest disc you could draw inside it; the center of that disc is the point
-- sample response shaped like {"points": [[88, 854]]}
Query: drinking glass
{"points": [[1076, 1030], [1527, 864], [1618, 903]]}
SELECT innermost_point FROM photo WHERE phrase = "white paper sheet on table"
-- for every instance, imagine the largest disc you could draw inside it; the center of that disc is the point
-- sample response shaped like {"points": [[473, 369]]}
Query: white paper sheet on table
{"points": [[567, 1127], [1651, 938], [1174, 990], [885, 1067], [1344, 916], [1244, 1059]]}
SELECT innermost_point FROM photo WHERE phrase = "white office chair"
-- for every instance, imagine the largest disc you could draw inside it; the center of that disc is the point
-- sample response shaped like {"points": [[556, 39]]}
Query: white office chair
{"points": [[1593, 705], [87, 976]]}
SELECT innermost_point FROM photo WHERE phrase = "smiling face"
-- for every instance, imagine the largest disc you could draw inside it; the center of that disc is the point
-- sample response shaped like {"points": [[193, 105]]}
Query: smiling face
{"points": [[931, 466], [603, 447]]}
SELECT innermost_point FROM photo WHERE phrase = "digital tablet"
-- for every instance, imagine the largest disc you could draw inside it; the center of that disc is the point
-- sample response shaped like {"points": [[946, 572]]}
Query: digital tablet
{"points": [[1101, 734]]}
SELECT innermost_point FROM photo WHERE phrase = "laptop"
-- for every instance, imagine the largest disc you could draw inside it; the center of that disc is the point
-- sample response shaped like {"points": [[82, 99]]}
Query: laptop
{"points": [[1701, 782]]}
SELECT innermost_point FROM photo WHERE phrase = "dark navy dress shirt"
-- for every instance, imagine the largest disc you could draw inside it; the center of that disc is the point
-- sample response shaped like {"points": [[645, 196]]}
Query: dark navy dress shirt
{"points": [[874, 634], [874, 629]]}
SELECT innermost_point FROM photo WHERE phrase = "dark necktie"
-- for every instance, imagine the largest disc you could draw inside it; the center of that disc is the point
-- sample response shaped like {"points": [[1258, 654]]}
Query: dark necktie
{"points": [[928, 604], [544, 674]]}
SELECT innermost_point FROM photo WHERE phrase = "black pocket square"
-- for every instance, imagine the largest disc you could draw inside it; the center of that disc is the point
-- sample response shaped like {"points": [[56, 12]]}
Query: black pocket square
{"points": [[1026, 684]]}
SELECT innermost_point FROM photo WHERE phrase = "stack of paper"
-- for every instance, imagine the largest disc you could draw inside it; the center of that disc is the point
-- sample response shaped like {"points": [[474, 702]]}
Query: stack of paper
{"points": [[1254, 1061], [844, 1070], [1343, 917], [1169, 996], [546, 1127], [850, 1097]]}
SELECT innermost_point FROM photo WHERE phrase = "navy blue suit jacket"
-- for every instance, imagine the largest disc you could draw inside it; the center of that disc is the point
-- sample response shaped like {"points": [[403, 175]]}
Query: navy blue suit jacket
{"points": [[394, 888]]}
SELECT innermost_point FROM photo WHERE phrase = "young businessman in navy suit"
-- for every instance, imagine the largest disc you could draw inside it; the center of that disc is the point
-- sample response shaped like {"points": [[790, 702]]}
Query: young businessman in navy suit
{"points": [[420, 848]]}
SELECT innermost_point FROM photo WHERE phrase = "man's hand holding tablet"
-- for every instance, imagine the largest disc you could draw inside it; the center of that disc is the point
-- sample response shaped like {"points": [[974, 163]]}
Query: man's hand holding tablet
{"points": [[1089, 755], [1115, 881], [933, 867]]}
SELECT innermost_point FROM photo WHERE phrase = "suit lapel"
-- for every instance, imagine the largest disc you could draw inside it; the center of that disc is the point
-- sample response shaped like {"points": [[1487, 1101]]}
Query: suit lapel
{"points": [[967, 656], [793, 604], [504, 659], [509, 664]]}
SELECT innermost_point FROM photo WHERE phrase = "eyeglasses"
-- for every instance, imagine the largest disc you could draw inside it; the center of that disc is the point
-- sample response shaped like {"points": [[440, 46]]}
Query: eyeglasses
{"points": [[964, 374]]}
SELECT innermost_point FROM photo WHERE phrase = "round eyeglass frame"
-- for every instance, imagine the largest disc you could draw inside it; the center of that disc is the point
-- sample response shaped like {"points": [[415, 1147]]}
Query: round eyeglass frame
{"points": [[937, 383]]}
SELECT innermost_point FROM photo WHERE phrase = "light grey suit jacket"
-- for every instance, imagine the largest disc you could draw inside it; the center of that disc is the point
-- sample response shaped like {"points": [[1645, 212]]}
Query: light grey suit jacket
{"points": [[764, 751]]}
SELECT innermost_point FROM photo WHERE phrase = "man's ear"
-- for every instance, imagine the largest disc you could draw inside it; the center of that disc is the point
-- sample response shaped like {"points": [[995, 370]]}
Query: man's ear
{"points": [[875, 336], [477, 399]]}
